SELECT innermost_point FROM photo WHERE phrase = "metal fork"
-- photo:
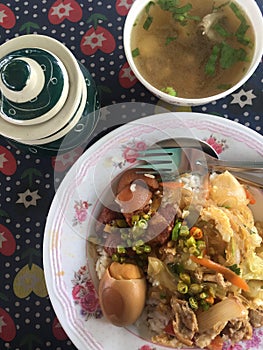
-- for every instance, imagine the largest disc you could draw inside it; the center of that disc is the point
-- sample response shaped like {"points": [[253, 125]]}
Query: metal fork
{"points": [[177, 160]]}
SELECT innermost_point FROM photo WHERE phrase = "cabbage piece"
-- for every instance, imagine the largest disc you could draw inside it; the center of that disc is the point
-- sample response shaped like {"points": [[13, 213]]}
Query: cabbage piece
{"points": [[226, 191], [221, 219], [252, 267], [159, 274], [255, 292]]}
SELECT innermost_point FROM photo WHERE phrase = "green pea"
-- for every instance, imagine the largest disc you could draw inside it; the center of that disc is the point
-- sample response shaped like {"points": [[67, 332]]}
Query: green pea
{"points": [[195, 288]]}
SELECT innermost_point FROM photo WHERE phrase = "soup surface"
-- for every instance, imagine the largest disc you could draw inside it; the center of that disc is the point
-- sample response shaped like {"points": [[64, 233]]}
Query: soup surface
{"points": [[173, 52]]}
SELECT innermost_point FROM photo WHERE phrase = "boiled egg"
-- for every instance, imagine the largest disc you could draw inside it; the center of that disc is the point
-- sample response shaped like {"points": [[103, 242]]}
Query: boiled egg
{"points": [[122, 293]]}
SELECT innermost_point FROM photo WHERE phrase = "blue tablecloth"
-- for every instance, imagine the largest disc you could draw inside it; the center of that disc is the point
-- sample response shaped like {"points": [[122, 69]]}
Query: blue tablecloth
{"points": [[27, 181]]}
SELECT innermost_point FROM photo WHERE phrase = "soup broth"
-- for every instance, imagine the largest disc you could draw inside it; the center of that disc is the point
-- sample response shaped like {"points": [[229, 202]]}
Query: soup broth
{"points": [[175, 55]]}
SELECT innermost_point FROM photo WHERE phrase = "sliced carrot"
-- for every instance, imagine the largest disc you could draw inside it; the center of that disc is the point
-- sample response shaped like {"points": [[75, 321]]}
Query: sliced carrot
{"points": [[196, 232], [216, 344], [230, 275], [250, 196], [172, 184]]}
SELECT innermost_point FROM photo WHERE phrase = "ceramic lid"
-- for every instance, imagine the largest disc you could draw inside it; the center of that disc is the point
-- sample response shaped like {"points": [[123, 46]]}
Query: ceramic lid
{"points": [[60, 97], [34, 86]]}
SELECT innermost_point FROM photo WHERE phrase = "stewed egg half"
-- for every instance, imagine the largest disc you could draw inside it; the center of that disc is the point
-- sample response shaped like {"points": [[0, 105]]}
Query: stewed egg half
{"points": [[122, 293]]}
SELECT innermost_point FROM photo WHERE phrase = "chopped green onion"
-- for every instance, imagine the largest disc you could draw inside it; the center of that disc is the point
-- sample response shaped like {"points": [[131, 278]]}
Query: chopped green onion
{"points": [[115, 257], [180, 14], [242, 29], [193, 303], [184, 231], [148, 22], [184, 9], [194, 251], [148, 6], [142, 223], [121, 249], [182, 287], [224, 86], [169, 39], [185, 277], [139, 243], [221, 30], [147, 249], [190, 242], [200, 245], [169, 90], [135, 52], [175, 231], [203, 295], [230, 56], [210, 67]]}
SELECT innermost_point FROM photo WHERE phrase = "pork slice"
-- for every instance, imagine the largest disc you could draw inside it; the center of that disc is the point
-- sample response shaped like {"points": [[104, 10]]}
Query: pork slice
{"points": [[256, 317], [130, 176], [107, 216], [161, 224], [158, 231], [185, 322], [133, 198], [238, 329]]}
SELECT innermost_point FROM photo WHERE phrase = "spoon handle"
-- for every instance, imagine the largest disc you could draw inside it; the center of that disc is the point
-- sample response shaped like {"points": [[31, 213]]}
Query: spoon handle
{"points": [[249, 179], [232, 165]]}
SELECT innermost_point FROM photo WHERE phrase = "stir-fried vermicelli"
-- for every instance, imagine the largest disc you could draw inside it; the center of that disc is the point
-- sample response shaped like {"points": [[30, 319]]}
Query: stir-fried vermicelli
{"points": [[199, 249]]}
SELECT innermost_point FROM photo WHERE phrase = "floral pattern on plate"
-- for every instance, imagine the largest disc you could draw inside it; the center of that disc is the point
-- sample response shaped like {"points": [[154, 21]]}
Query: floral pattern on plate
{"points": [[73, 292], [85, 295]]}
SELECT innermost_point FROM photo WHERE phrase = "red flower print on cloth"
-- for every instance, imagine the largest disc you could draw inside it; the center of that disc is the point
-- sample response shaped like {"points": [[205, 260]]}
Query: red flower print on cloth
{"points": [[7, 162], [218, 145], [7, 326], [123, 6], [64, 9], [58, 331], [81, 212], [7, 17], [97, 37], [7, 241], [85, 295], [127, 79]]}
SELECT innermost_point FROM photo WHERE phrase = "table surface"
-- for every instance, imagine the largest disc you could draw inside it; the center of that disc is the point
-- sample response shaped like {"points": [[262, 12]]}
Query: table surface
{"points": [[28, 181]]}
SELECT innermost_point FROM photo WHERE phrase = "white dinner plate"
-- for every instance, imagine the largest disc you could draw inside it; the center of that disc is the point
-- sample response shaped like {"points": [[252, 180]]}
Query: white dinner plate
{"points": [[69, 272]]}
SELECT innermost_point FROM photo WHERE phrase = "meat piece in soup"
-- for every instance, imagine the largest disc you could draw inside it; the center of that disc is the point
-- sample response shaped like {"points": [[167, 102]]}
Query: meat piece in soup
{"points": [[171, 51]]}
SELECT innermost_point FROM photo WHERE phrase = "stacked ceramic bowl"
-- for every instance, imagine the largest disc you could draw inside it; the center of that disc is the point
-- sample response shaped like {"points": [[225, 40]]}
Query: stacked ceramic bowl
{"points": [[49, 101]]}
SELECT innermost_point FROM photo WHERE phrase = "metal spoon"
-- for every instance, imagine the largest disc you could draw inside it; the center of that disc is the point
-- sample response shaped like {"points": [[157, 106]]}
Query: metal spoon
{"points": [[207, 24], [245, 177]]}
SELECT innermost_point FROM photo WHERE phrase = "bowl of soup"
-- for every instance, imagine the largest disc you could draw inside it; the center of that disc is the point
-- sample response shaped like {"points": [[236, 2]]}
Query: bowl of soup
{"points": [[193, 52]]}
